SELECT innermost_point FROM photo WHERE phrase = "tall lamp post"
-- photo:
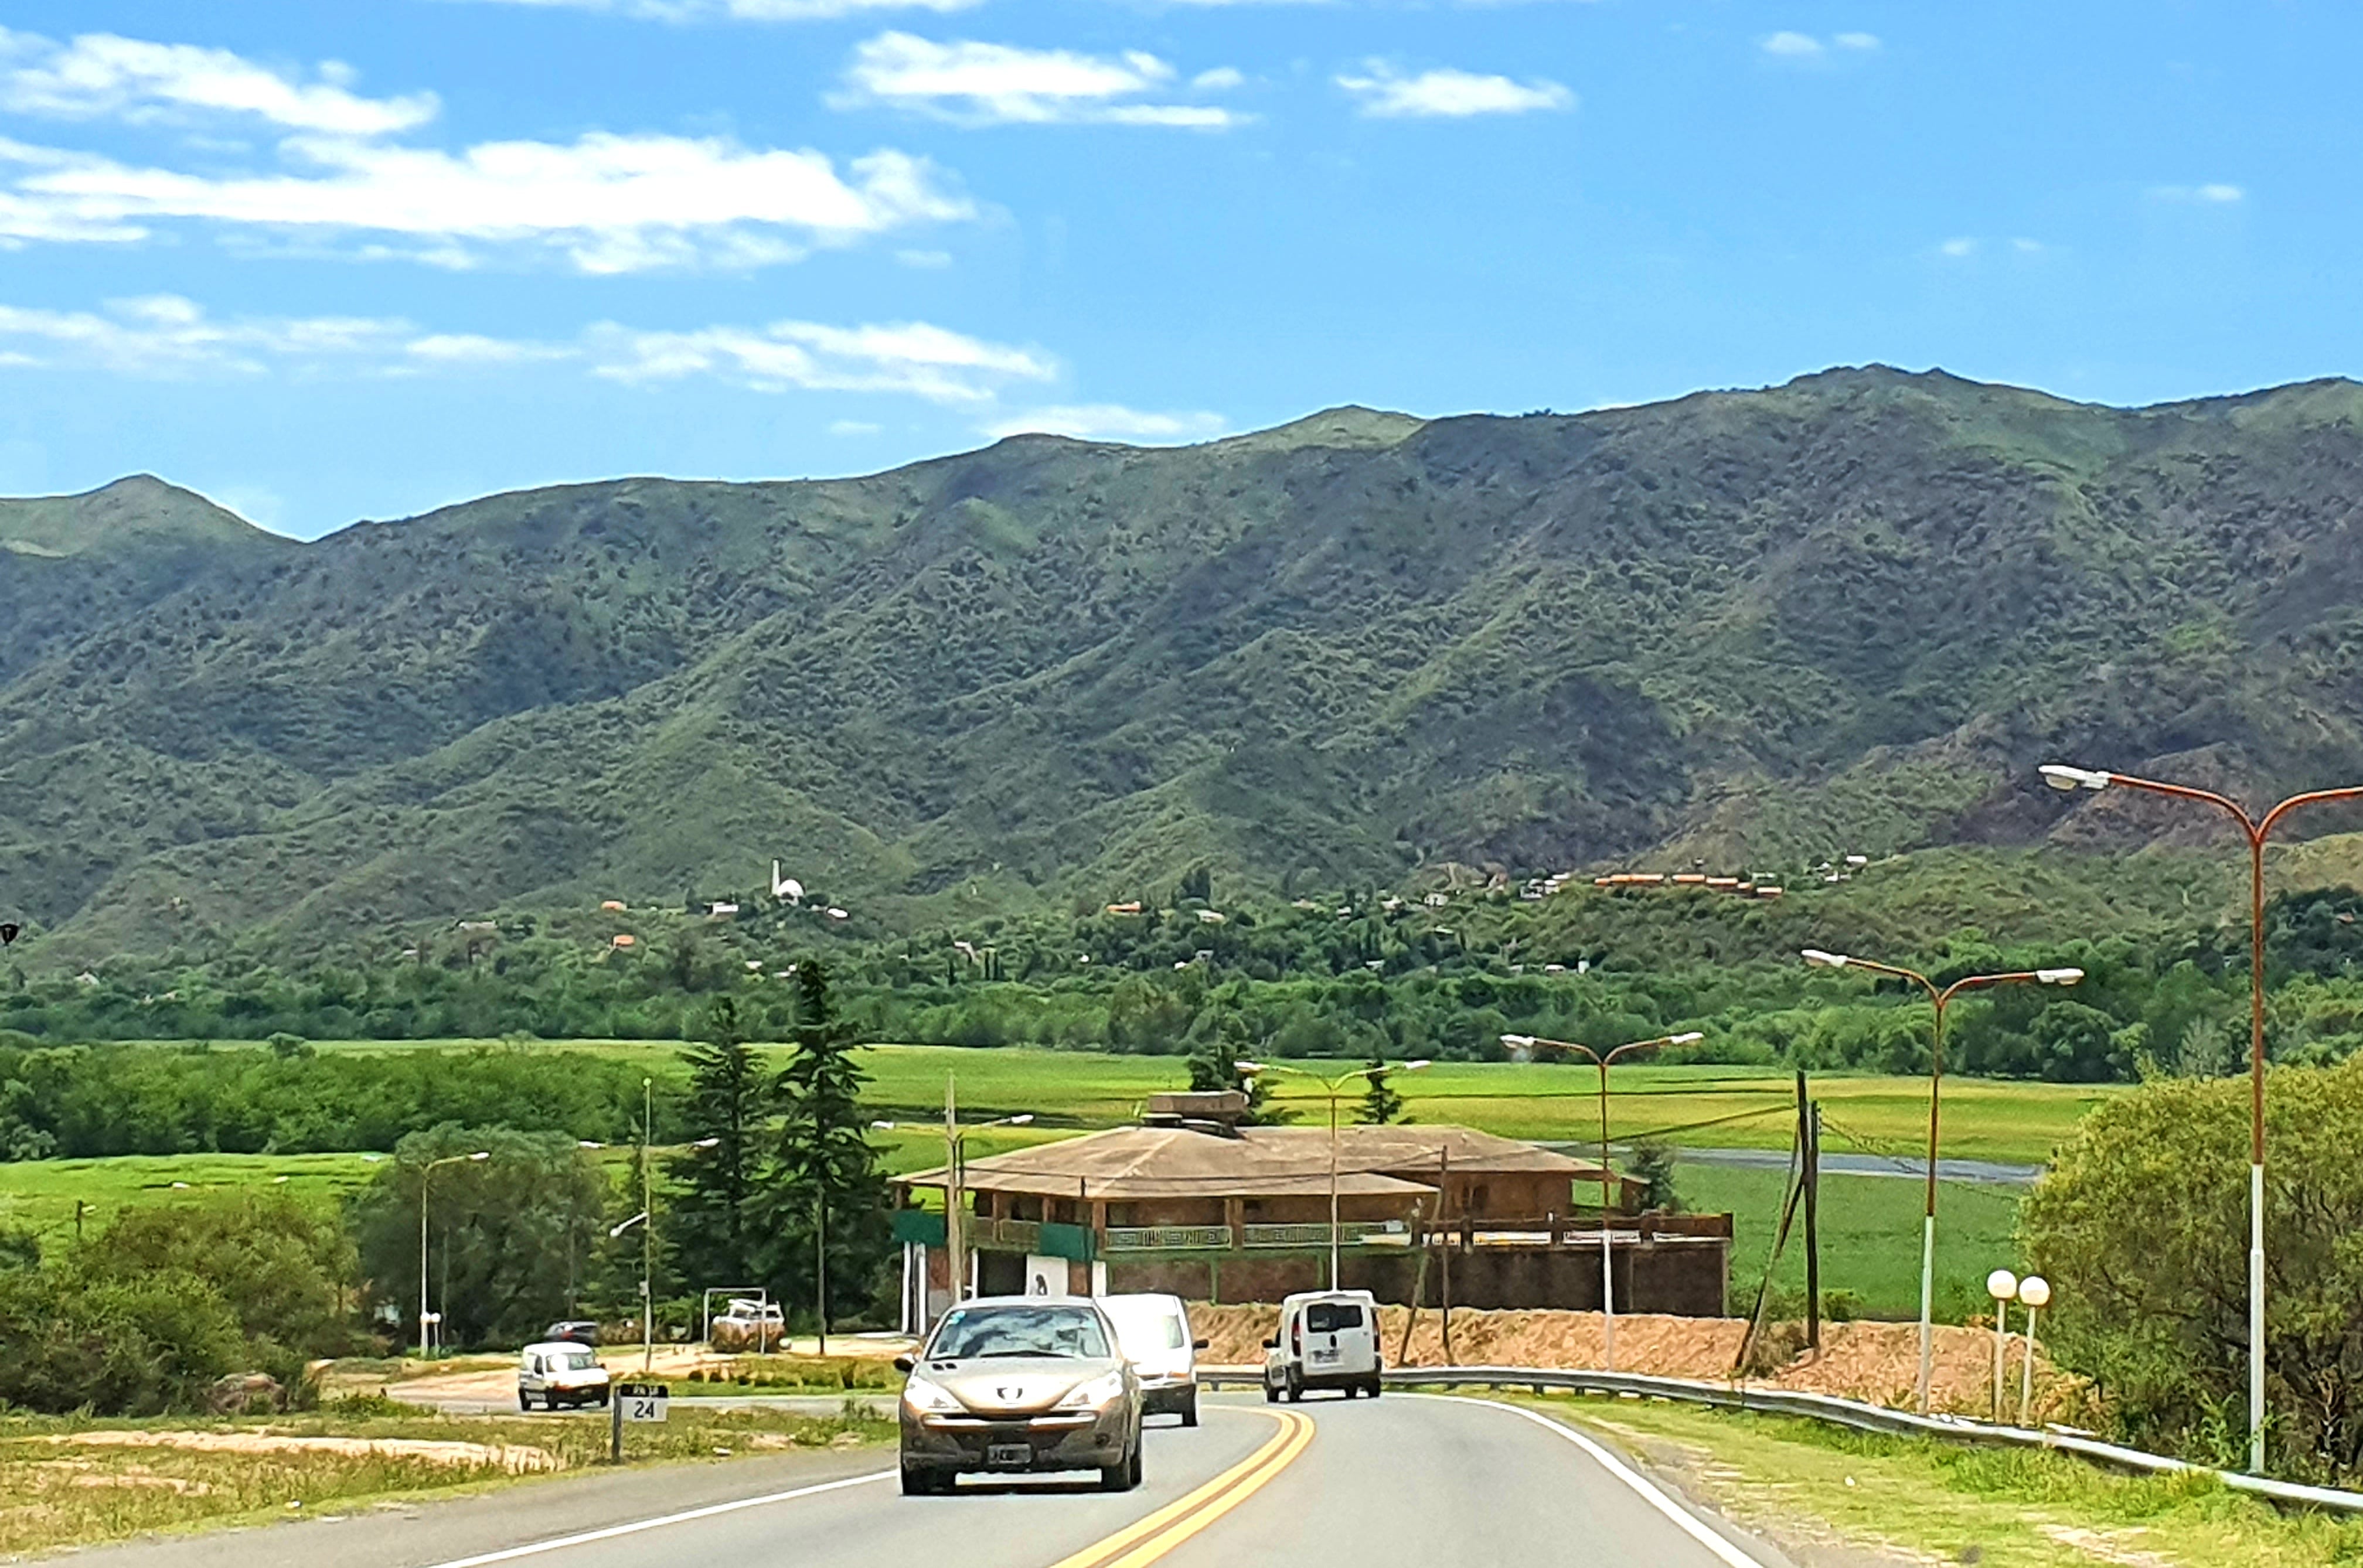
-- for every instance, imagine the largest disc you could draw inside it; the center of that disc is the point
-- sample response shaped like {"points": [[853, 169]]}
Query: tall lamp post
{"points": [[955, 1176], [1334, 1088], [1607, 1177], [1940, 996], [426, 1171], [2257, 829]]}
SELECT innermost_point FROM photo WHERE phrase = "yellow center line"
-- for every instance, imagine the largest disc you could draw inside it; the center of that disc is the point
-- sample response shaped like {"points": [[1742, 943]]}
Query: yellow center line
{"points": [[1146, 1541]]}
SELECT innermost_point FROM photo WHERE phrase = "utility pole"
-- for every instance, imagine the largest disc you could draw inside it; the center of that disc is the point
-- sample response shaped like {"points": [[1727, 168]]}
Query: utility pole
{"points": [[1809, 1131], [647, 1231], [820, 1262]]}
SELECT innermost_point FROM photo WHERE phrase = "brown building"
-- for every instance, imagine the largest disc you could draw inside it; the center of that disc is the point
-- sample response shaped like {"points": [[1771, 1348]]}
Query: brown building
{"points": [[1192, 1203]]}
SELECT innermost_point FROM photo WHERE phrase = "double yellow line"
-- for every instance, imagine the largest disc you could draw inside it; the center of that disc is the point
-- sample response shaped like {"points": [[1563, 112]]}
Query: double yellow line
{"points": [[1149, 1539]]}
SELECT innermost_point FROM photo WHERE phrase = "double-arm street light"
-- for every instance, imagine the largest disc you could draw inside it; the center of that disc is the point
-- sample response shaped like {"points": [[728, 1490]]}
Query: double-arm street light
{"points": [[2257, 829], [1940, 996], [426, 1171], [955, 1174], [1607, 1177], [1334, 1088]]}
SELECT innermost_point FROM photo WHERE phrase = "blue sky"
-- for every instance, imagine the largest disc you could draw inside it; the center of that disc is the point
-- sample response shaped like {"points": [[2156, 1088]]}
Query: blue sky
{"points": [[325, 263]]}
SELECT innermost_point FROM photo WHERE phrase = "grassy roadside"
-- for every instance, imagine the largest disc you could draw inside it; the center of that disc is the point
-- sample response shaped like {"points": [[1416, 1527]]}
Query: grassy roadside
{"points": [[1829, 1497], [74, 1483]]}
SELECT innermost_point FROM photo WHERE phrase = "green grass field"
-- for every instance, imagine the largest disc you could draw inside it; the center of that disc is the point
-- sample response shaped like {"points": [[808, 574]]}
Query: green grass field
{"points": [[1702, 1107]]}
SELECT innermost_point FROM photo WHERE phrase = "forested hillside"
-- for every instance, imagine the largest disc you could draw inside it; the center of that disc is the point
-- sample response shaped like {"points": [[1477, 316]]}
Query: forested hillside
{"points": [[1851, 613]]}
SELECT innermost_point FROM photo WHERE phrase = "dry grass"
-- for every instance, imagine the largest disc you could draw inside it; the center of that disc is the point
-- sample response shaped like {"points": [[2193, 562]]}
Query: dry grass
{"points": [[72, 1483]]}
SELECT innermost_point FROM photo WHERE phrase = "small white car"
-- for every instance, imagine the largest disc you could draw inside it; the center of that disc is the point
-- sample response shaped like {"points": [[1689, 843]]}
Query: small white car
{"points": [[561, 1372], [1327, 1339], [1153, 1332], [747, 1324]]}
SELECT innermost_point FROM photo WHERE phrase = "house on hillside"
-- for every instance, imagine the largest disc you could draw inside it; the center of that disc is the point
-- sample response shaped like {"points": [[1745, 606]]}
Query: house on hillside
{"points": [[1191, 1201]]}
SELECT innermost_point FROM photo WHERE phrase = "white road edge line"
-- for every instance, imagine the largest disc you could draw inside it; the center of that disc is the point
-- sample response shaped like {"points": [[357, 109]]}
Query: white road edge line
{"points": [[559, 1544], [1687, 1521]]}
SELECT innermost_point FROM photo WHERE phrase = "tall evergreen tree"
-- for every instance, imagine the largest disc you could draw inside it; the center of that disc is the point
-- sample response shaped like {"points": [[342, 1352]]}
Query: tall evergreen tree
{"points": [[1215, 1066], [713, 1216], [1381, 1104], [824, 1180]]}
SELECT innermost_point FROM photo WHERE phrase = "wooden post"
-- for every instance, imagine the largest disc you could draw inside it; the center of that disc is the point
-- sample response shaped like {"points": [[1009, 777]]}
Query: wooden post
{"points": [[1422, 1240], [1444, 1201]]}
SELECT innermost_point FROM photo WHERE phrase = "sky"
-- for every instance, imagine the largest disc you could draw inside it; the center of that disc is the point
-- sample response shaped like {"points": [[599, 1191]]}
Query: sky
{"points": [[331, 262]]}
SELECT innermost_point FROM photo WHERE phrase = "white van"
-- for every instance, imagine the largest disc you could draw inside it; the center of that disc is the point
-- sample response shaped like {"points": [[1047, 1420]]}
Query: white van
{"points": [[561, 1372], [1153, 1332], [1327, 1339]]}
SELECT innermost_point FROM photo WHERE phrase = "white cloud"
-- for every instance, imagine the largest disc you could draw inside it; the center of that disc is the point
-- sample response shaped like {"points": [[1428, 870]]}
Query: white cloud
{"points": [[913, 358], [1111, 422], [1958, 247], [1221, 79], [853, 427], [608, 203], [926, 260], [2217, 194], [167, 336], [1451, 95], [101, 75], [2026, 246], [1806, 47], [747, 10], [986, 84]]}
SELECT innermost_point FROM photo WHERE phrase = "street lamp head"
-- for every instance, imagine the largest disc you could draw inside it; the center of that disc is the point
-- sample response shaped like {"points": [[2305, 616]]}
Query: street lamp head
{"points": [[2001, 1285], [2061, 776], [2059, 976], [1420, 1065], [481, 1154], [2035, 1291], [1822, 960], [1251, 1066], [1687, 1037], [1025, 1120], [884, 1126], [1521, 1042], [705, 1142]]}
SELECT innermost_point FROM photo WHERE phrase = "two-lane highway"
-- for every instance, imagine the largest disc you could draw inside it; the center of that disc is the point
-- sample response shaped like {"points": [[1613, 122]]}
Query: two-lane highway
{"points": [[1408, 1480]]}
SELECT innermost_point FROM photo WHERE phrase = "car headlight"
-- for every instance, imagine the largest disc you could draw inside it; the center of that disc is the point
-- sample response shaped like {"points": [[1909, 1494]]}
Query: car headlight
{"points": [[1096, 1394], [929, 1399]]}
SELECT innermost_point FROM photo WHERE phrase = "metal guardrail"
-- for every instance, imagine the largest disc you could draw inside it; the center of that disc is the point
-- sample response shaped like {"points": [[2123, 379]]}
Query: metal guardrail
{"points": [[1829, 1408]]}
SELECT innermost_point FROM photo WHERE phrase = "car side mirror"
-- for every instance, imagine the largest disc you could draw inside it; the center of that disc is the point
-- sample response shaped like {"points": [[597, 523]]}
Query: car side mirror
{"points": [[1199, 1344], [903, 1364], [1272, 1343]]}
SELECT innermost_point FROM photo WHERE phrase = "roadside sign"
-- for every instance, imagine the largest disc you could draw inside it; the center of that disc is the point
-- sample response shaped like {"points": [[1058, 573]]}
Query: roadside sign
{"points": [[641, 1401]]}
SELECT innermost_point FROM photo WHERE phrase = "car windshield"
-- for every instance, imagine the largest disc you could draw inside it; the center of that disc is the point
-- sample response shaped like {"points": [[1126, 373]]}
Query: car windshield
{"points": [[576, 1361], [969, 1332], [1144, 1328]]}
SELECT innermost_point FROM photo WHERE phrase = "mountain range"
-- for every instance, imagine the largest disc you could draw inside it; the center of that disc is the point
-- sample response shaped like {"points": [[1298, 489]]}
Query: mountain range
{"points": [[1754, 628]]}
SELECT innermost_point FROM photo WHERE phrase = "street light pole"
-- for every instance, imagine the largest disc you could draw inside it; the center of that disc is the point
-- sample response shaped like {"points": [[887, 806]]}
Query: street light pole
{"points": [[1940, 997], [1607, 1177], [648, 1232], [2257, 830], [1334, 1088], [425, 1172]]}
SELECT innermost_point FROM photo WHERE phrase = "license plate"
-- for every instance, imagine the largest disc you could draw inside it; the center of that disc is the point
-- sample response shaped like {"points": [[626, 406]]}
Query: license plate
{"points": [[1324, 1355], [1008, 1453]]}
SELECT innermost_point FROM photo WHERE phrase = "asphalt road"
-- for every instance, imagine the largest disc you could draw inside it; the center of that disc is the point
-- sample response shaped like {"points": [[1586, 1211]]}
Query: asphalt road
{"points": [[1409, 1480]]}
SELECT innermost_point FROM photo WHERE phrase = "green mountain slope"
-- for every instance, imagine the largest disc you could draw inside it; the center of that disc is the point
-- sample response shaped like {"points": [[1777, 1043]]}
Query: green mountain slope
{"points": [[1849, 614]]}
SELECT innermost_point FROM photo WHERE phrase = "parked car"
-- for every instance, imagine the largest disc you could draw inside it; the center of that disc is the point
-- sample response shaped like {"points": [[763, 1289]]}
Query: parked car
{"points": [[1327, 1339], [747, 1324], [561, 1372], [581, 1330], [1020, 1384], [1153, 1332]]}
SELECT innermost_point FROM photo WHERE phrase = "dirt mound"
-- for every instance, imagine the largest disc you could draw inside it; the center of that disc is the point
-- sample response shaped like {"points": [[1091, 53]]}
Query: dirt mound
{"points": [[1877, 1363]]}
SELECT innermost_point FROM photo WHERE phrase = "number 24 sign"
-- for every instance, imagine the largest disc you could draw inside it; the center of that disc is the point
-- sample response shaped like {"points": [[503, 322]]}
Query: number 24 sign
{"points": [[642, 1401]]}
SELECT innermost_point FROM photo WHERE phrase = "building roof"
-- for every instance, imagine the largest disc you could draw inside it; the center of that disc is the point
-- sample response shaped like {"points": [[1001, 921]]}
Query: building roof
{"points": [[1260, 1162]]}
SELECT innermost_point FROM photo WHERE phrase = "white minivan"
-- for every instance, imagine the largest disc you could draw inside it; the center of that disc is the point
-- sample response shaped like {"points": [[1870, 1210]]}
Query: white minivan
{"points": [[1327, 1339], [561, 1372], [1153, 1332]]}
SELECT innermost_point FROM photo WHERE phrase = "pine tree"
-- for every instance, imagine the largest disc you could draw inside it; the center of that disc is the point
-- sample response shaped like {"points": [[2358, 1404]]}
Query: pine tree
{"points": [[1653, 1164], [824, 1179], [1215, 1066], [1381, 1104], [713, 1219]]}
